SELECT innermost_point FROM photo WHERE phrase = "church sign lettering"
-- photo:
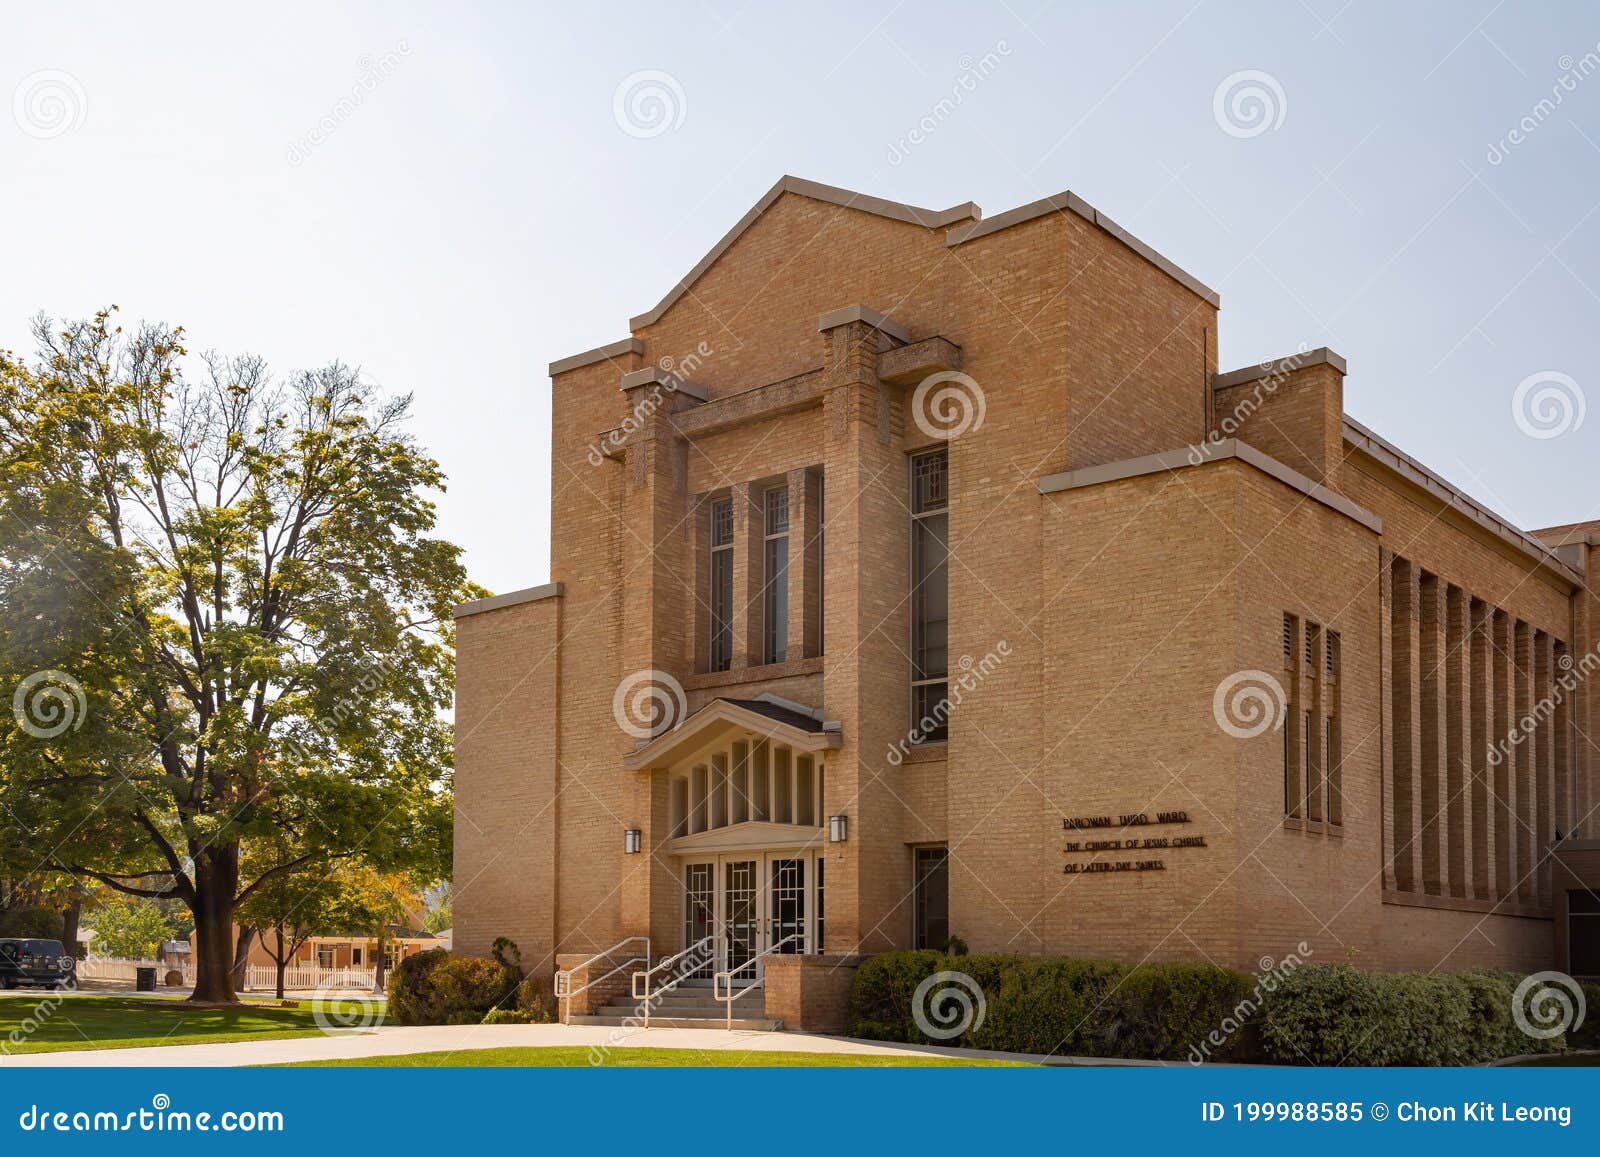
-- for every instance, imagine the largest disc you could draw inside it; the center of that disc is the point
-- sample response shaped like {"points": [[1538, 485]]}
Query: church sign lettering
{"points": [[1122, 842]]}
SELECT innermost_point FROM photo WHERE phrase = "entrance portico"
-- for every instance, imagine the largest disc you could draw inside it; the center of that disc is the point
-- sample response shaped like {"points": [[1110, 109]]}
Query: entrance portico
{"points": [[741, 849]]}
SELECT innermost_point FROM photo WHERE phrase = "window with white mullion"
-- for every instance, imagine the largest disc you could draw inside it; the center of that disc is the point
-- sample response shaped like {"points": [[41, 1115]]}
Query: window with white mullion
{"points": [[775, 575], [930, 596], [720, 652]]}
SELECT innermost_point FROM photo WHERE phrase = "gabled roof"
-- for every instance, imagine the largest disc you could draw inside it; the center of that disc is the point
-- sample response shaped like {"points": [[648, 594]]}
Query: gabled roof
{"points": [[964, 222], [781, 713], [894, 210], [767, 716]]}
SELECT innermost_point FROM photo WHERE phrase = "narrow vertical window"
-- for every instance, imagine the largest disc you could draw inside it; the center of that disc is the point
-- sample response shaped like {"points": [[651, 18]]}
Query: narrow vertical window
{"points": [[930, 597], [1335, 740], [1330, 741], [822, 565], [721, 650], [931, 898], [1312, 813], [822, 862], [1291, 754], [775, 593]]}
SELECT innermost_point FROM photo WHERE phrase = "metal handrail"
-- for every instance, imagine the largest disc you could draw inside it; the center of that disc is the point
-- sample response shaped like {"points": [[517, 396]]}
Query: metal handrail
{"points": [[563, 978], [647, 995], [718, 978]]}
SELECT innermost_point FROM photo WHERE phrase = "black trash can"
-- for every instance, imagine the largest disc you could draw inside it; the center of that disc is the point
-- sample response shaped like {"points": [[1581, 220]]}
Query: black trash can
{"points": [[145, 979]]}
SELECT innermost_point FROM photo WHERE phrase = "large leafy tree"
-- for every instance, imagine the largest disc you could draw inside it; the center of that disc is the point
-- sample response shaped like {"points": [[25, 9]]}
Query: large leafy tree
{"points": [[224, 618]]}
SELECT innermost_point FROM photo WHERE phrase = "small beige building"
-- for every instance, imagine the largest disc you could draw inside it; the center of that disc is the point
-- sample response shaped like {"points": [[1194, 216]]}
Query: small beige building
{"points": [[921, 574]]}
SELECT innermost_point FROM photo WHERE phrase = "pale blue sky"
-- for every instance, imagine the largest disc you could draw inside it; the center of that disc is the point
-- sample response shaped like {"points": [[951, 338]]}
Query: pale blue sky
{"points": [[480, 212]]}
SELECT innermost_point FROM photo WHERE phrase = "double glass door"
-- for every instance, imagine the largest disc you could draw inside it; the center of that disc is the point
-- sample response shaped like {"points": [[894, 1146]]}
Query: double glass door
{"points": [[749, 902]]}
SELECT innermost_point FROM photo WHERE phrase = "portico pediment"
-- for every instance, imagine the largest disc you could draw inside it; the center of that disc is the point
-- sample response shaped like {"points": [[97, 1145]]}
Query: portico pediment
{"points": [[722, 720]]}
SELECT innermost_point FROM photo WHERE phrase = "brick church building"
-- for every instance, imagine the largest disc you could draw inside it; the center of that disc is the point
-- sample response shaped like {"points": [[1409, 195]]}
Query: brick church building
{"points": [[920, 575]]}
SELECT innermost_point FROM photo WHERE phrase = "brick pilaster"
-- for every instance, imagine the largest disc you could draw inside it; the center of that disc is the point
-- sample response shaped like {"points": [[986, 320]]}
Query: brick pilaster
{"points": [[657, 618]]}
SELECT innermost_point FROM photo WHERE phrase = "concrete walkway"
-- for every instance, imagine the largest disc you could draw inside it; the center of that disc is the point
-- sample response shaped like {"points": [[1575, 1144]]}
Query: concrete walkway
{"points": [[397, 1041]]}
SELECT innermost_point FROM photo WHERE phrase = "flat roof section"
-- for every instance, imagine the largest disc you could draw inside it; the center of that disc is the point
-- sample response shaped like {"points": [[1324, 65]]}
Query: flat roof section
{"points": [[509, 599]]}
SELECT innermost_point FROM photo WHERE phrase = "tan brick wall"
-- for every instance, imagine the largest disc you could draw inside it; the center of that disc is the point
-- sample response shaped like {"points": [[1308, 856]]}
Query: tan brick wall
{"points": [[810, 993], [1122, 606], [507, 672]]}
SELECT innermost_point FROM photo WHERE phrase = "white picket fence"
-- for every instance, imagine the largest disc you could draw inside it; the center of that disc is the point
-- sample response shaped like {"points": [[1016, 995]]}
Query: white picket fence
{"points": [[308, 977], [258, 977], [121, 968]]}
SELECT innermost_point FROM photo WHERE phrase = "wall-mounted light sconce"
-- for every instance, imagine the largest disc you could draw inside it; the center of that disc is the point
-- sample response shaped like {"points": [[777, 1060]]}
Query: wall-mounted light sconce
{"points": [[632, 841], [838, 829]]}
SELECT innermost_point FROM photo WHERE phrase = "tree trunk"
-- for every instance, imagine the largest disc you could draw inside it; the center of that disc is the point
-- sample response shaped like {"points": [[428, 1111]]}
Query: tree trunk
{"points": [[241, 958], [70, 916], [378, 970], [216, 883], [281, 960]]}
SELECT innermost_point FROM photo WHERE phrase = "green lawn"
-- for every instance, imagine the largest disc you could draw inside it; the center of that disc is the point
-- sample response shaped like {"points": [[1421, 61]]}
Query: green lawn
{"points": [[637, 1058], [37, 1021]]}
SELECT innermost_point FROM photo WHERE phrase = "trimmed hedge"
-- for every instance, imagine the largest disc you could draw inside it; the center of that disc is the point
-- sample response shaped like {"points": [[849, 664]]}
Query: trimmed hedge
{"points": [[1309, 1014], [1038, 1004]]}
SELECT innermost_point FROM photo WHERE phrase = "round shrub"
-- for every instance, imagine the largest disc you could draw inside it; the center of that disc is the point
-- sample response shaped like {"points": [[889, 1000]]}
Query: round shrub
{"points": [[506, 1016], [437, 987], [410, 986]]}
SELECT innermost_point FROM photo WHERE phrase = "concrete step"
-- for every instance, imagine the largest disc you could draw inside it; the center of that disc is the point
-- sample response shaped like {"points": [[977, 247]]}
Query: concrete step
{"points": [[746, 1024], [681, 992], [696, 996], [755, 994], [699, 1008]]}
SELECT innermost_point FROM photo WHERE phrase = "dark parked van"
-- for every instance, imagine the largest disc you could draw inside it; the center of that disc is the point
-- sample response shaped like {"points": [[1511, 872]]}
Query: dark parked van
{"points": [[42, 962]]}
